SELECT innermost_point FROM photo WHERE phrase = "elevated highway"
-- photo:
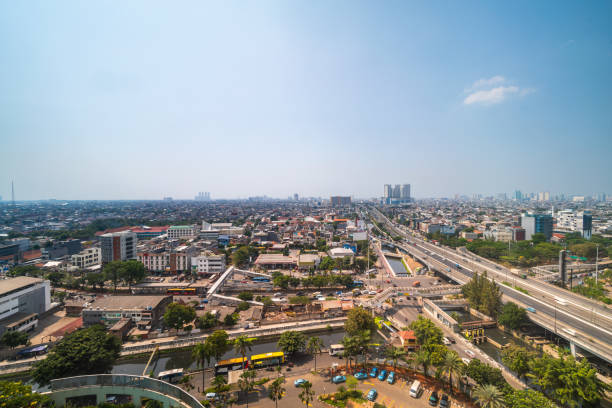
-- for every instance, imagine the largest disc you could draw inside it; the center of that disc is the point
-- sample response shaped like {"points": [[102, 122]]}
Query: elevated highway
{"points": [[581, 322]]}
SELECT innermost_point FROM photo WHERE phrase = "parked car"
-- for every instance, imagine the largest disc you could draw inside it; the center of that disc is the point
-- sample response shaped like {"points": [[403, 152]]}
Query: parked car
{"points": [[450, 339], [374, 372], [391, 378], [361, 375], [372, 394], [530, 309], [338, 379], [299, 382], [382, 375], [444, 401], [212, 396], [433, 399], [446, 341], [466, 361]]}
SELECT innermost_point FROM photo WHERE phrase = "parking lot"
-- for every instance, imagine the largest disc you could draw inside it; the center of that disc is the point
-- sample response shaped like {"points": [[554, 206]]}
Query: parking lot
{"points": [[392, 396]]}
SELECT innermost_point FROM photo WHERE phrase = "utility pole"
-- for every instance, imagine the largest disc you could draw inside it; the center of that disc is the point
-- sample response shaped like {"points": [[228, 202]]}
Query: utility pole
{"points": [[596, 264]]}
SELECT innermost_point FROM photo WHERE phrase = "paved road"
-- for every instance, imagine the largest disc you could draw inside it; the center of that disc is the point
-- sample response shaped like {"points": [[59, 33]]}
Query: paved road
{"points": [[582, 326]]}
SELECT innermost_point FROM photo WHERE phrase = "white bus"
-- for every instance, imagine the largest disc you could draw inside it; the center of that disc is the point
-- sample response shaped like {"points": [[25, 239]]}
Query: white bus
{"points": [[171, 376], [336, 350]]}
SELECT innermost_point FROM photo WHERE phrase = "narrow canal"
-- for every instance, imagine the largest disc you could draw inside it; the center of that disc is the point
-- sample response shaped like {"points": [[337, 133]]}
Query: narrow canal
{"points": [[397, 265]]}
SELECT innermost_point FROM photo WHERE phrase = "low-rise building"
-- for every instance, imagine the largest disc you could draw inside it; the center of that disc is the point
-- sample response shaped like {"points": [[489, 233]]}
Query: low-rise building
{"points": [[275, 261], [144, 311], [22, 300], [86, 258], [183, 231], [208, 262]]}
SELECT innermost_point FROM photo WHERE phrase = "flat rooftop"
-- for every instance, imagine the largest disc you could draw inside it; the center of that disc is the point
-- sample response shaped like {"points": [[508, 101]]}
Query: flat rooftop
{"points": [[11, 284], [125, 302]]}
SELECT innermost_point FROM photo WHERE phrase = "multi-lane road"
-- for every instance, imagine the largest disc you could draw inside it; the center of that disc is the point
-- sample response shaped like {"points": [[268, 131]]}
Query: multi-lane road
{"points": [[581, 321]]}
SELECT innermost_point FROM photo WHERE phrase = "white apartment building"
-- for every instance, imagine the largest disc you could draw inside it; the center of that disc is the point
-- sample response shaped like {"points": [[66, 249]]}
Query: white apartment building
{"points": [[22, 300], [118, 246], [86, 258], [208, 262], [177, 261], [183, 231]]}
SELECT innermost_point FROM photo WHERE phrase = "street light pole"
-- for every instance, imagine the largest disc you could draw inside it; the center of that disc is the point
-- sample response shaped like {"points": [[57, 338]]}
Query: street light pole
{"points": [[596, 264]]}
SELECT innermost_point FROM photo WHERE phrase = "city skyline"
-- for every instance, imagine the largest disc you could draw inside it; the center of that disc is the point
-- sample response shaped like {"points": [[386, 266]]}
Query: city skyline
{"points": [[244, 99]]}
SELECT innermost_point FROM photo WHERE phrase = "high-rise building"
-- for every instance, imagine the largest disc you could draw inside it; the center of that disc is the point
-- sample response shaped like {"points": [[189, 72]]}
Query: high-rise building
{"points": [[397, 191], [118, 246], [296, 197], [387, 193], [202, 196], [518, 195], [405, 192], [339, 201], [537, 223]]}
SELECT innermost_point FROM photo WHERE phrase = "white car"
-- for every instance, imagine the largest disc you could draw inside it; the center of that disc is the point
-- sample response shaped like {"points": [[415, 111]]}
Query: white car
{"points": [[466, 360], [470, 353]]}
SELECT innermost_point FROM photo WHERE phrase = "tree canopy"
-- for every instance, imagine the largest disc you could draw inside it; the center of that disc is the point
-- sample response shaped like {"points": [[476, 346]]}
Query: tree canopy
{"points": [[483, 294], [13, 339], [86, 351], [359, 320], [512, 316], [18, 395], [292, 342], [177, 315], [426, 332]]}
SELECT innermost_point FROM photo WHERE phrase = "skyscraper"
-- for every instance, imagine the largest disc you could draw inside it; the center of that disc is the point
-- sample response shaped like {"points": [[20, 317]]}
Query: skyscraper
{"points": [[537, 223], [405, 192]]}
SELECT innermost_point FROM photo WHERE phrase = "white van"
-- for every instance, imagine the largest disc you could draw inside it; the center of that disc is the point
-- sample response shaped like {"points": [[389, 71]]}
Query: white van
{"points": [[415, 389]]}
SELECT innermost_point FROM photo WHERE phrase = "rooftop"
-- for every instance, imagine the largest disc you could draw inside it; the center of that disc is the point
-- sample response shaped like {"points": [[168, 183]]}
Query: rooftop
{"points": [[9, 285], [126, 302]]}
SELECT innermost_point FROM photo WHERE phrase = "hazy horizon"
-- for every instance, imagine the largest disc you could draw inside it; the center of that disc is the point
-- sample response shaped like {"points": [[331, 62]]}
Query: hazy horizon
{"points": [[143, 100]]}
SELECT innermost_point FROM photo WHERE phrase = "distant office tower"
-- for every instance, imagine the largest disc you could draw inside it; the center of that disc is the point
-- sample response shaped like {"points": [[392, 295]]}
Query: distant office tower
{"points": [[518, 196], [397, 191], [405, 192], [202, 196], [388, 192], [584, 224], [537, 223], [296, 197], [118, 246], [544, 196], [339, 201]]}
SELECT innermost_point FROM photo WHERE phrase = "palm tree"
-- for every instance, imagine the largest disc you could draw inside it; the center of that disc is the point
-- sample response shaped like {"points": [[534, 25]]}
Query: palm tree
{"points": [[350, 349], [395, 354], [363, 344], [276, 390], [202, 356], [489, 396], [220, 385], [242, 344], [314, 346], [451, 364], [422, 358], [307, 394], [246, 383]]}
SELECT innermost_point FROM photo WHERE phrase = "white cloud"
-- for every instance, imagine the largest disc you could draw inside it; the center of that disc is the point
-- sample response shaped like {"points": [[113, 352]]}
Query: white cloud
{"points": [[491, 96], [490, 91], [486, 82]]}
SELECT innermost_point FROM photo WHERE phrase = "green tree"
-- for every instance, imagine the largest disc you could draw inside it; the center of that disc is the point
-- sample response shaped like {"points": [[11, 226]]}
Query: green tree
{"points": [[178, 315], [86, 351], [218, 343], [13, 339], [422, 358], [426, 332], [245, 296], [512, 316], [528, 399], [517, 359], [538, 237], [394, 354], [291, 342], [314, 346], [485, 374], [18, 395], [242, 306], [242, 344], [276, 391], [351, 349], [451, 365], [230, 319], [240, 257], [113, 271], [207, 321], [307, 394], [221, 388], [202, 355], [246, 383], [132, 272], [489, 396], [358, 320], [483, 294], [95, 279]]}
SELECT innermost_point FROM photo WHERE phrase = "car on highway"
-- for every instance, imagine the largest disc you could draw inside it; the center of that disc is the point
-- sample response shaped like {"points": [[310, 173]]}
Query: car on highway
{"points": [[391, 377], [338, 379], [299, 382], [433, 399], [372, 394], [416, 284], [361, 375], [382, 375], [530, 309], [374, 372], [470, 353]]}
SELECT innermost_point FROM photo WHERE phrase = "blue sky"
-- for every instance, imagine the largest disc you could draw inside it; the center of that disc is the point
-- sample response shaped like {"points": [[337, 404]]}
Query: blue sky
{"points": [[108, 100]]}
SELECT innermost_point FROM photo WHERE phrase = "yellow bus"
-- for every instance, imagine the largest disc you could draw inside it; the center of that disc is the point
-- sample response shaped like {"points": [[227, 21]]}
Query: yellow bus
{"points": [[225, 366], [267, 359]]}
